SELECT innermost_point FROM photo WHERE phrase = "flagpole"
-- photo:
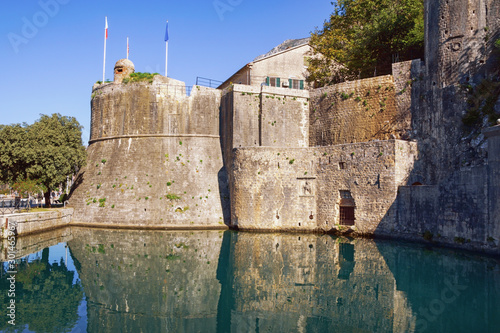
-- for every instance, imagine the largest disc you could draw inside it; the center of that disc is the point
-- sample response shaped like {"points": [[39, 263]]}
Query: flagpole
{"points": [[127, 48], [166, 50], [104, 61], [166, 57]]}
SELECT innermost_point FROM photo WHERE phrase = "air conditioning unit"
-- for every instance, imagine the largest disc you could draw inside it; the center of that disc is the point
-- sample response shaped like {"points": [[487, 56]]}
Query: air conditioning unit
{"points": [[285, 84]]}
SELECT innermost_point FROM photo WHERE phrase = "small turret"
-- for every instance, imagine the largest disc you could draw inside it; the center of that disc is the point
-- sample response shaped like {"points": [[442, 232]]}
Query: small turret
{"points": [[123, 68]]}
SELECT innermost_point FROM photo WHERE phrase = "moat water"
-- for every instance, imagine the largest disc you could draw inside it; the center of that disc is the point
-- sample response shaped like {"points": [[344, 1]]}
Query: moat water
{"points": [[92, 280]]}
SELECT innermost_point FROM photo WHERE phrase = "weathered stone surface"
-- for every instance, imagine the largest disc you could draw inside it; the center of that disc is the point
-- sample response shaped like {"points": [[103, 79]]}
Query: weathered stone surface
{"points": [[154, 157], [456, 205], [263, 116], [152, 180], [30, 223], [123, 68], [360, 111], [299, 189], [33, 243]]}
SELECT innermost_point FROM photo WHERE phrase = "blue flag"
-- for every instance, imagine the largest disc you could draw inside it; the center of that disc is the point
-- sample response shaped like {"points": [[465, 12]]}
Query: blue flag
{"points": [[166, 33]]}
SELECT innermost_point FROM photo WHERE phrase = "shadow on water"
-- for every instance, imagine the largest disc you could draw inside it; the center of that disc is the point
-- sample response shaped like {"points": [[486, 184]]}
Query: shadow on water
{"points": [[446, 290], [214, 281]]}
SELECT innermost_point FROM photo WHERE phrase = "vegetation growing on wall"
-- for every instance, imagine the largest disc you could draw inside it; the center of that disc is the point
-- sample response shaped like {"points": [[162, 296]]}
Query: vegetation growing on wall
{"points": [[140, 77], [363, 37], [483, 97]]}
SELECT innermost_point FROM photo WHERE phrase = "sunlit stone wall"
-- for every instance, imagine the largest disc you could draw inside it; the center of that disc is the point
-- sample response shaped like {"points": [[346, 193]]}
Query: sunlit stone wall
{"points": [[154, 157], [300, 189]]}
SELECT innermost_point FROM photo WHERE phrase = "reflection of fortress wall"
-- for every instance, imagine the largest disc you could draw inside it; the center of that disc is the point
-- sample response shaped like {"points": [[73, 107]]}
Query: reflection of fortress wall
{"points": [[133, 282], [36, 242], [154, 156], [292, 281], [280, 188]]}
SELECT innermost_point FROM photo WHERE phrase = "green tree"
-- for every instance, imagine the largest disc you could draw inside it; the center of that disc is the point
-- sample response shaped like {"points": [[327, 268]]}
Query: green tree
{"points": [[13, 145], [363, 38], [48, 150], [28, 187]]}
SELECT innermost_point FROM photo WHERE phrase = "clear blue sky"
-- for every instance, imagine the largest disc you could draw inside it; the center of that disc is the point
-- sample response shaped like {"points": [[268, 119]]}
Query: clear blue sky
{"points": [[52, 50]]}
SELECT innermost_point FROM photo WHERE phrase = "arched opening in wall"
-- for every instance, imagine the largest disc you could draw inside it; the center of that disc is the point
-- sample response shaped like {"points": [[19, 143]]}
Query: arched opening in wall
{"points": [[417, 184], [347, 208]]}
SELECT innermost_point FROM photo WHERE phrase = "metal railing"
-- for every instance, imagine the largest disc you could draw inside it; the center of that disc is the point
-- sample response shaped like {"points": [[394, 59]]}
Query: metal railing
{"points": [[211, 83], [10, 206], [181, 90]]}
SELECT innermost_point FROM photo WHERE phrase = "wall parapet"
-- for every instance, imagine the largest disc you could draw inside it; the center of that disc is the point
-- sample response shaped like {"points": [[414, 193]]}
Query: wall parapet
{"points": [[30, 223], [153, 108]]}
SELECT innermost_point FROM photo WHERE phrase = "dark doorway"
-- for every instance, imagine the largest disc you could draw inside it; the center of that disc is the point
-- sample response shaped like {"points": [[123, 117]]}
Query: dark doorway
{"points": [[346, 215], [347, 208]]}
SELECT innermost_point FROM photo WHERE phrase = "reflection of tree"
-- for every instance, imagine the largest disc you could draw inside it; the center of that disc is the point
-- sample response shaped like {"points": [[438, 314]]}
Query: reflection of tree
{"points": [[46, 298]]}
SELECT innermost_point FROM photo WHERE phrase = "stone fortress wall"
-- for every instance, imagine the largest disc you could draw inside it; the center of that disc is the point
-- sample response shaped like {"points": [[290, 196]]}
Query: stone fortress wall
{"points": [[284, 178], [263, 116], [294, 159], [154, 157], [301, 188], [358, 111], [458, 201], [422, 102]]}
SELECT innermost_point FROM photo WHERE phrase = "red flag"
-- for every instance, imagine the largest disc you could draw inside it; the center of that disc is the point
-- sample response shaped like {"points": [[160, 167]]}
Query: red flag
{"points": [[106, 28]]}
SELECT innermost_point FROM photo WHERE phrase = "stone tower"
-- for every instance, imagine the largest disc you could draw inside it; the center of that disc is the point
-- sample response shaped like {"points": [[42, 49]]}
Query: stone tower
{"points": [[154, 156], [458, 38], [123, 68]]}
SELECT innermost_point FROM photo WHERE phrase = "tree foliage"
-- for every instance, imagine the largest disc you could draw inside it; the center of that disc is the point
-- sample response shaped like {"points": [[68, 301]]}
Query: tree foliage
{"points": [[47, 151], [363, 37], [13, 161], [28, 187]]}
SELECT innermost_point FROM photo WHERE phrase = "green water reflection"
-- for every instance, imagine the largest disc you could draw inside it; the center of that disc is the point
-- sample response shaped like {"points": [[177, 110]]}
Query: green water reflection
{"points": [[46, 298], [210, 281]]}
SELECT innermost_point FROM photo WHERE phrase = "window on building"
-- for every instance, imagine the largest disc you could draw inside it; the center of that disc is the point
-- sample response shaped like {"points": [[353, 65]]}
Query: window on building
{"points": [[345, 194], [296, 84], [273, 81], [292, 83]]}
